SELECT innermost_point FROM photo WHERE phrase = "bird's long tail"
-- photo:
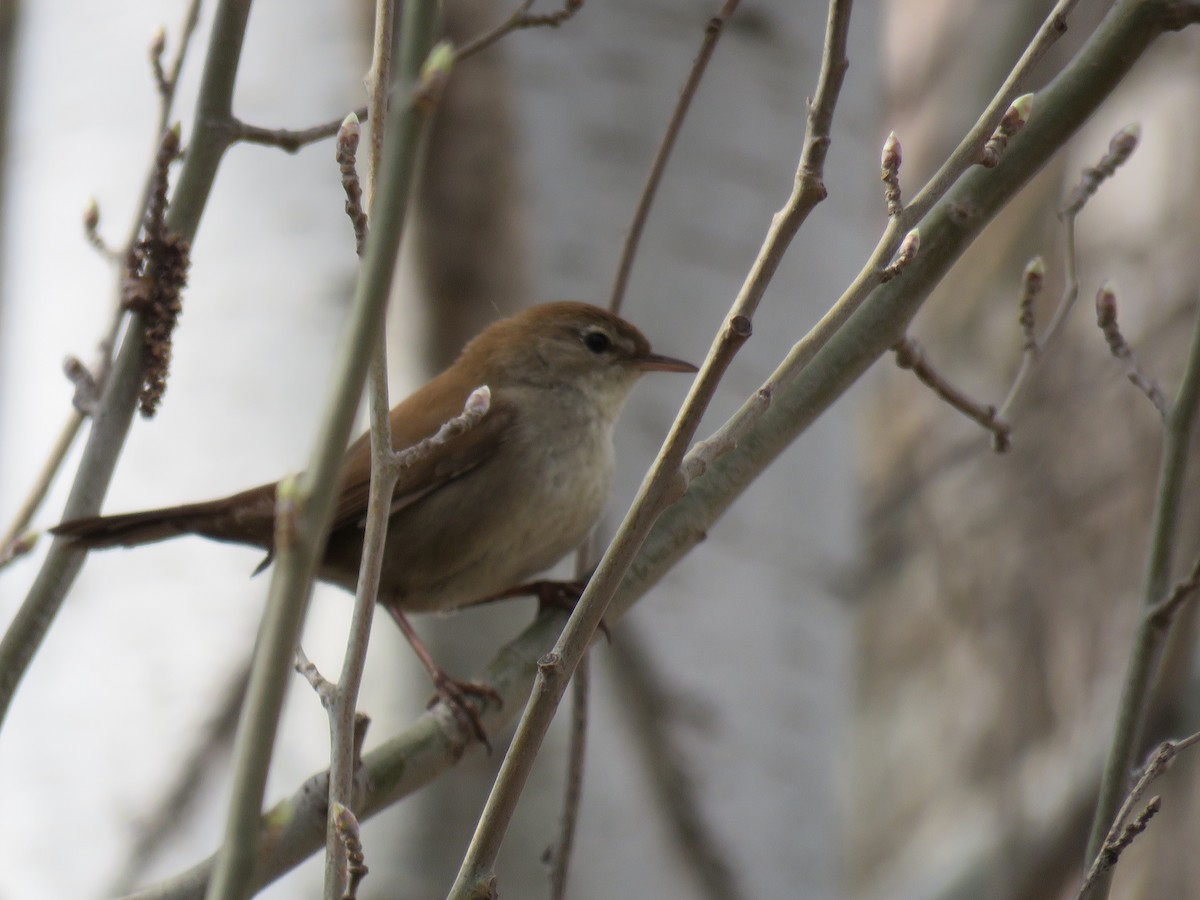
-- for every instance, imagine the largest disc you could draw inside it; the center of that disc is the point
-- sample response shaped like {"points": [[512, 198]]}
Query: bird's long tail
{"points": [[250, 521]]}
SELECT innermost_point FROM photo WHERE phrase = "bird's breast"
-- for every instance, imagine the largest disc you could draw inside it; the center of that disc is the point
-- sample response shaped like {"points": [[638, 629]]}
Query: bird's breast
{"points": [[511, 517]]}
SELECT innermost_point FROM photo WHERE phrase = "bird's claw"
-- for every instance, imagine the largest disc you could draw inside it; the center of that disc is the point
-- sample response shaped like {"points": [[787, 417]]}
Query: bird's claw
{"points": [[456, 695]]}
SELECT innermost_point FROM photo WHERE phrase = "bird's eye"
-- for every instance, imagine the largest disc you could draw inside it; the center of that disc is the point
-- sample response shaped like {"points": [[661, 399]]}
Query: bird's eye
{"points": [[597, 341]]}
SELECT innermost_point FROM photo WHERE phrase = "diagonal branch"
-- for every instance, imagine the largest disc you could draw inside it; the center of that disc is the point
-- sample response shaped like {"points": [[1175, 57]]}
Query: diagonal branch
{"points": [[664, 481]]}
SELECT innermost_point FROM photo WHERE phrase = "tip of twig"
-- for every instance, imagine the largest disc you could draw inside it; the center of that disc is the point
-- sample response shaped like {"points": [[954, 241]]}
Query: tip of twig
{"points": [[479, 401], [905, 255], [890, 174], [18, 547], [1015, 118], [439, 62], [1124, 142]]}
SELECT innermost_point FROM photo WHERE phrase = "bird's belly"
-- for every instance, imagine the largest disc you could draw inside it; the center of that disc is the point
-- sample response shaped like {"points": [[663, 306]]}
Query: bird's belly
{"points": [[478, 535]]}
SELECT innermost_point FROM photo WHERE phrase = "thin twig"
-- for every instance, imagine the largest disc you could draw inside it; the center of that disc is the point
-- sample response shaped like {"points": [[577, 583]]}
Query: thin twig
{"points": [[1120, 148], [1162, 613], [661, 484], [91, 233], [559, 855], [325, 689], [344, 757], [911, 355], [1120, 836], [293, 140], [713, 29], [286, 139], [1106, 319], [1032, 280], [520, 18], [1153, 631]]}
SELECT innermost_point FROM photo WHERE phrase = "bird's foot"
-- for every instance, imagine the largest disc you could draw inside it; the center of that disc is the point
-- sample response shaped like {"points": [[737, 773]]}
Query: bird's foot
{"points": [[457, 697], [455, 694]]}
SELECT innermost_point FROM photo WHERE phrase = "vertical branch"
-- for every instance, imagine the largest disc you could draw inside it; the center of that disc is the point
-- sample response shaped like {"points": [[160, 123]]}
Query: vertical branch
{"points": [[1152, 630], [560, 853], [343, 759], [292, 579]]}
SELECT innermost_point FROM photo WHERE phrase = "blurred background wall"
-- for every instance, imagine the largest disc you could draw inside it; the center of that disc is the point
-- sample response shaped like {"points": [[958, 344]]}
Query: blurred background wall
{"points": [[533, 174], [999, 593]]}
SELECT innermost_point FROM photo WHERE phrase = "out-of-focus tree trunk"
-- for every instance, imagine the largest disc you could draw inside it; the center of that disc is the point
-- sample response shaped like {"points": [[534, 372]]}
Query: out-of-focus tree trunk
{"points": [[1000, 592]]}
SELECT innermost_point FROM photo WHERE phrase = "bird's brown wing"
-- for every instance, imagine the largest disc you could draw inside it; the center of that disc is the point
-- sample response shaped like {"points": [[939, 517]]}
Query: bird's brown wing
{"points": [[411, 423]]}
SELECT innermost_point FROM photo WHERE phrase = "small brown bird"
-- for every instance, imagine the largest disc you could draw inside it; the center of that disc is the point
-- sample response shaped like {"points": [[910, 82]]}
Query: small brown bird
{"points": [[489, 508]]}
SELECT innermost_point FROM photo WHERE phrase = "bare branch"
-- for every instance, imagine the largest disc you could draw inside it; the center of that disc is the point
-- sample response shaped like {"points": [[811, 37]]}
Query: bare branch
{"points": [[1153, 630], [1106, 318], [1163, 612], [910, 355], [325, 689], [293, 140], [1120, 148], [286, 139], [344, 735], [1120, 835], [520, 18], [558, 857]]}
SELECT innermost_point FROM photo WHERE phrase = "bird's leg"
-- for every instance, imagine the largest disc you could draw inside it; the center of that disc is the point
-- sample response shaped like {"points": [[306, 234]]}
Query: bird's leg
{"points": [[453, 693]]}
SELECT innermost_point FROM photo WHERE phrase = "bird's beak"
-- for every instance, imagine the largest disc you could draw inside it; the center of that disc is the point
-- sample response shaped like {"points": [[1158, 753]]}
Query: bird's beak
{"points": [[654, 362]]}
